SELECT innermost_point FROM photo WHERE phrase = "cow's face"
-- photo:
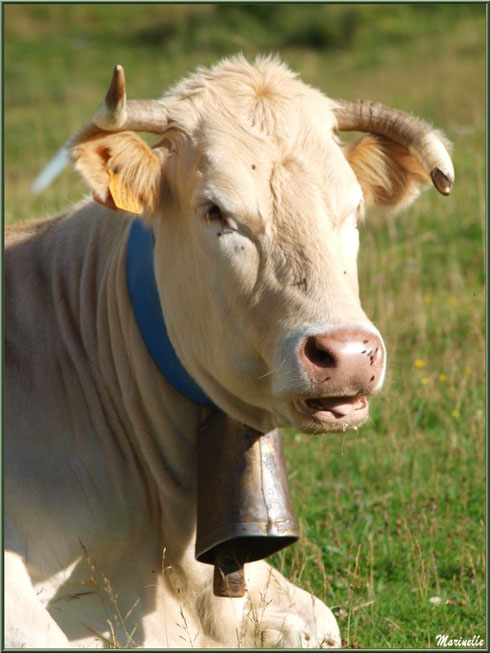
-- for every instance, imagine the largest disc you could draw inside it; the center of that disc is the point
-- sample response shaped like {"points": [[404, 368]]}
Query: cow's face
{"points": [[255, 209], [259, 285]]}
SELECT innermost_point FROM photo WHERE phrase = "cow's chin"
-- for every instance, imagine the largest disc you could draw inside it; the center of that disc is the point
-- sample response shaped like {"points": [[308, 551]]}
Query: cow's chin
{"points": [[329, 414]]}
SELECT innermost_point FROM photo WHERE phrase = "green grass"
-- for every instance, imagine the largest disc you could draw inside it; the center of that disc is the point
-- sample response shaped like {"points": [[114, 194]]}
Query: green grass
{"points": [[392, 515]]}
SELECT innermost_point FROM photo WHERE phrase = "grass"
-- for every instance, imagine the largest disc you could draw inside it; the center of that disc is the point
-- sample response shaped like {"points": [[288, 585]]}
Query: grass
{"points": [[392, 515]]}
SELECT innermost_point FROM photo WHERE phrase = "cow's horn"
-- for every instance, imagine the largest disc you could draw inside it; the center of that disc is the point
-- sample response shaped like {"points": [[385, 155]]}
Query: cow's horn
{"points": [[414, 134], [117, 114]]}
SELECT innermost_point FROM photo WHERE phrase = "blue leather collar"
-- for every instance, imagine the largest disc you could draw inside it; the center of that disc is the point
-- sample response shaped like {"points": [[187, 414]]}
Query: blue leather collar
{"points": [[149, 317]]}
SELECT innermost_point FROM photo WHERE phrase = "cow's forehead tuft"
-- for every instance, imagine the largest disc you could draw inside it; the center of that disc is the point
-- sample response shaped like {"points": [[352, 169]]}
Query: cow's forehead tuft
{"points": [[265, 96]]}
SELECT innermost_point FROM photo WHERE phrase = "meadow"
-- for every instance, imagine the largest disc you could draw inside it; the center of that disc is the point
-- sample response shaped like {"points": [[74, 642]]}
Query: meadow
{"points": [[393, 516]]}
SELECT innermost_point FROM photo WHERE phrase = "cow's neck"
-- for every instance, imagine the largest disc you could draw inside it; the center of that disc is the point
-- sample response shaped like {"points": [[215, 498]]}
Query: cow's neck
{"points": [[149, 420], [147, 310]]}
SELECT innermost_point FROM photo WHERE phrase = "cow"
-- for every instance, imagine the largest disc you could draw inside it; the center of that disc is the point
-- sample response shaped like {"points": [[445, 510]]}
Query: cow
{"points": [[252, 204]]}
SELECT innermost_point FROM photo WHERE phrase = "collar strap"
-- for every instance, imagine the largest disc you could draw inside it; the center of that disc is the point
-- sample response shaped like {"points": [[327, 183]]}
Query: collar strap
{"points": [[147, 310]]}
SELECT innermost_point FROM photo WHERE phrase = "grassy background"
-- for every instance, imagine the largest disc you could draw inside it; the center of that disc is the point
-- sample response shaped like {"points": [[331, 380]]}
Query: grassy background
{"points": [[393, 515]]}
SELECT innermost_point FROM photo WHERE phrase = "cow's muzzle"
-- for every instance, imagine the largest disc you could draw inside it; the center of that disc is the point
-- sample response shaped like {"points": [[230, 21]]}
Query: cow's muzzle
{"points": [[342, 368], [345, 363], [244, 510]]}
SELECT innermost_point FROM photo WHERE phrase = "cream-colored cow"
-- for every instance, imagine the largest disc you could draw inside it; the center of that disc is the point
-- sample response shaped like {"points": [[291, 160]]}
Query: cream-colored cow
{"points": [[254, 206]]}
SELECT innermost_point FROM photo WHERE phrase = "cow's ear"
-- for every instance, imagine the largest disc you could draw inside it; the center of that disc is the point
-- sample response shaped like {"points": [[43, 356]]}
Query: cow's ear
{"points": [[389, 175], [122, 171]]}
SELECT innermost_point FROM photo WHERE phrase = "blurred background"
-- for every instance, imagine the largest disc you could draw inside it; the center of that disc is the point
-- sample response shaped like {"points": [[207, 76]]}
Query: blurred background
{"points": [[393, 516]]}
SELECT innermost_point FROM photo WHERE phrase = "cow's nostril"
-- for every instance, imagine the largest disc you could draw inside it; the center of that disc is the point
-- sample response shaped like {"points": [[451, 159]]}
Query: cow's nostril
{"points": [[319, 357]]}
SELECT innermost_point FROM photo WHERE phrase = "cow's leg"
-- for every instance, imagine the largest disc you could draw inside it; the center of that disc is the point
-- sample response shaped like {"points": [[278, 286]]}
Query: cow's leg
{"points": [[273, 614], [278, 614], [27, 623]]}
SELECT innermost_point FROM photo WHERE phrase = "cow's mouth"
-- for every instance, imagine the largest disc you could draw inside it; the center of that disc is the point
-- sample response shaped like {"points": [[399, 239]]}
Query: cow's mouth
{"points": [[333, 413]]}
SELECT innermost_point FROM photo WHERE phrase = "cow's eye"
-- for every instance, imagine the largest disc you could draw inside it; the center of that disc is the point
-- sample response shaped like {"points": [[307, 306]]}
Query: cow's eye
{"points": [[213, 214], [215, 217]]}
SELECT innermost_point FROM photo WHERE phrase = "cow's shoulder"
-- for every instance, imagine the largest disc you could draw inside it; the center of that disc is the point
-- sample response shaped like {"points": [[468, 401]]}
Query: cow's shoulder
{"points": [[29, 229]]}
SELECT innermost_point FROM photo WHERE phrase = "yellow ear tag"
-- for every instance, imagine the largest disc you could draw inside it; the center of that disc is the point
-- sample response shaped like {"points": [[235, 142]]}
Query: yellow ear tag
{"points": [[123, 198]]}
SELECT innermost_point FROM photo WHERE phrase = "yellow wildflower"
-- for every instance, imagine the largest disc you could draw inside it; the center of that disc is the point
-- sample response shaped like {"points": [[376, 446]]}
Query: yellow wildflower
{"points": [[428, 298], [452, 301], [442, 377], [419, 363], [425, 380], [455, 413], [467, 371]]}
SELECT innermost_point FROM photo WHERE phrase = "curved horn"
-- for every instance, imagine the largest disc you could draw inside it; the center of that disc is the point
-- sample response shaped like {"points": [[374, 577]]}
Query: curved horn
{"points": [[117, 114], [414, 134]]}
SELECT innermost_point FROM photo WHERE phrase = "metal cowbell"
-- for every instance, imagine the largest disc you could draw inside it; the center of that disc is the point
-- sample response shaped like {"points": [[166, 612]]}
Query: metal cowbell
{"points": [[244, 509]]}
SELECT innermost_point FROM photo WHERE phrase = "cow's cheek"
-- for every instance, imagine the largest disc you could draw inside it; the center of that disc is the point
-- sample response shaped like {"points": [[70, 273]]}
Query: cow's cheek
{"points": [[233, 300], [218, 331]]}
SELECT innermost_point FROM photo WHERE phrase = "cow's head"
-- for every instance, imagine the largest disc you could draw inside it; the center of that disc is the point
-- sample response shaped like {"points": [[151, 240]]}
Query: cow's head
{"points": [[255, 205]]}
